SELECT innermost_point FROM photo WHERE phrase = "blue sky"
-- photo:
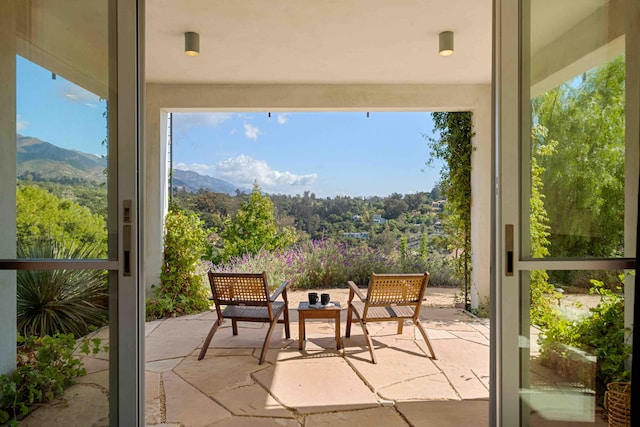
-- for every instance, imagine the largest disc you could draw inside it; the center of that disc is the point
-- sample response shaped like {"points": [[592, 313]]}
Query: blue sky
{"points": [[325, 153], [58, 111], [328, 154]]}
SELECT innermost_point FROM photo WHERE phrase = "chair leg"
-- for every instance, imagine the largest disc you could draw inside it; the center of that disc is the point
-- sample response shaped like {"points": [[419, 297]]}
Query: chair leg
{"points": [[400, 325], [287, 332], [347, 332], [207, 341], [265, 346], [426, 337], [368, 338], [234, 326]]}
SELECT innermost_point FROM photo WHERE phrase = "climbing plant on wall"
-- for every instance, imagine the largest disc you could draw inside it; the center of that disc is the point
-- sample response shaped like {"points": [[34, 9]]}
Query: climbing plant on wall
{"points": [[454, 147]]}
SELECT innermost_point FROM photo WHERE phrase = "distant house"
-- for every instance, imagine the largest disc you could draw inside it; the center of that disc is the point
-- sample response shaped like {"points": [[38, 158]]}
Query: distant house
{"points": [[377, 219], [356, 217], [438, 205], [356, 235]]}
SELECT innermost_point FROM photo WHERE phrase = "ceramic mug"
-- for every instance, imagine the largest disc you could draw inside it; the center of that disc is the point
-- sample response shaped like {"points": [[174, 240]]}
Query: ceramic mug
{"points": [[313, 298], [325, 299]]}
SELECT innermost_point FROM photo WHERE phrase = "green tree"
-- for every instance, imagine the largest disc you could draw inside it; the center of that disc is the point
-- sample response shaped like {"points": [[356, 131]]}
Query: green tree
{"points": [[455, 147], [424, 247], [43, 216], [181, 289], [254, 227], [584, 179]]}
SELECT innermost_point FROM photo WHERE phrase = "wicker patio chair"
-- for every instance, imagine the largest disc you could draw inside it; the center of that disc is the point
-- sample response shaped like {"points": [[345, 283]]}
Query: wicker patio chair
{"points": [[246, 298], [390, 297]]}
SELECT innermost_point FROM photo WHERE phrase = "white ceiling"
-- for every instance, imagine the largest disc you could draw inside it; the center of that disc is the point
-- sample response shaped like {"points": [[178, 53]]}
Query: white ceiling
{"points": [[318, 41]]}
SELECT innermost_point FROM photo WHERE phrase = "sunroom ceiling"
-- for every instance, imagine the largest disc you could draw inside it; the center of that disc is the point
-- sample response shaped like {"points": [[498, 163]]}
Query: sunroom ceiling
{"points": [[328, 41]]}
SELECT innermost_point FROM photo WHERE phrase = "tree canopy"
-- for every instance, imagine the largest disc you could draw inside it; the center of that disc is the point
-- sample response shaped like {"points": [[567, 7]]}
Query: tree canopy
{"points": [[254, 227], [44, 216], [584, 178]]}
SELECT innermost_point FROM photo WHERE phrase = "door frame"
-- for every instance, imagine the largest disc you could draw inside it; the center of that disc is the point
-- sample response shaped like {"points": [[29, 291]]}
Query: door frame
{"points": [[509, 72], [126, 295]]}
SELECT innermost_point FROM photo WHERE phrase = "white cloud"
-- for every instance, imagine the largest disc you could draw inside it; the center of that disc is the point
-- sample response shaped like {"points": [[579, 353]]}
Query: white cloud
{"points": [[77, 94], [282, 118], [251, 131], [244, 170], [21, 124], [190, 120], [196, 167]]}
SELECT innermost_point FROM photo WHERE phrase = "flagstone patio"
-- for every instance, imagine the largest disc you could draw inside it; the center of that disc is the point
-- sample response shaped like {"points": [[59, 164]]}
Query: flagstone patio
{"points": [[318, 386]]}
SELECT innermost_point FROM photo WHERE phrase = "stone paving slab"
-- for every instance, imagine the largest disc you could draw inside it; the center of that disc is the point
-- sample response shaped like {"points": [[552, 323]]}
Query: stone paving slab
{"points": [[430, 387], [91, 364], [100, 379], [251, 400], [446, 413], [366, 417], [256, 422], [316, 384], [81, 405], [158, 347], [250, 335], [187, 405], [395, 365], [152, 391], [218, 373], [163, 365], [466, 383]]}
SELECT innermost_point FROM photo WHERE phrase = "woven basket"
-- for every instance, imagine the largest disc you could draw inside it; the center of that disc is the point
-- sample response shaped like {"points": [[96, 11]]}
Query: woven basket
{"points": [[618, 404]]}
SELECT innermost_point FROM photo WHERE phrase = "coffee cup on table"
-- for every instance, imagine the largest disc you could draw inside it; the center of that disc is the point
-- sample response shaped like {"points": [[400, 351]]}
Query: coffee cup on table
{"points": [[325, 299], [313, 298]]}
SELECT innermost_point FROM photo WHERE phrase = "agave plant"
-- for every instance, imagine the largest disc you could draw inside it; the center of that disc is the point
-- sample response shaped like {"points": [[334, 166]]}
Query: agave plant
{"points": [[66, 301]]}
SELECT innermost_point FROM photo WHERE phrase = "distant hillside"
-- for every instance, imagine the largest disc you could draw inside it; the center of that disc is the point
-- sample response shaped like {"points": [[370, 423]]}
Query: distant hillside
{"points": [[193, 181], [41, 160]]}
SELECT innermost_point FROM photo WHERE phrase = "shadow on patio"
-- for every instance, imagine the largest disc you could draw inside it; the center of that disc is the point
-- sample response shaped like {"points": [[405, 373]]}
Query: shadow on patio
{"points": [[318, 386]]}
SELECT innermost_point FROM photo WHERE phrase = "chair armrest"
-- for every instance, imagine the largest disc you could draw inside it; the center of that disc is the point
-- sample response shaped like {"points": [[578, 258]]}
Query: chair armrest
{"points": [[354, 290], [278, 291]]}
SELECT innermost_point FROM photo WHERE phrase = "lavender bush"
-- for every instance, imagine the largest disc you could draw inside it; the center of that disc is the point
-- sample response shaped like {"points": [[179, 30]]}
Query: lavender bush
{"points": [[329, 264]]}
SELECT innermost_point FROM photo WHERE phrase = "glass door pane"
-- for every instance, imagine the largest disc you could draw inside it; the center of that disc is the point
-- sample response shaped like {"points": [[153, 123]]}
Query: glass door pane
{"points": [[573, 206], [58, 244]]}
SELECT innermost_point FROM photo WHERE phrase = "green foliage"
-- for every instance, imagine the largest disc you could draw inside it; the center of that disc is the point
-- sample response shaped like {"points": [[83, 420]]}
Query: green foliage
{"points": [[403, 248], [43, 216], [602, 334], [181, 289], [543, 294], [424, 246], [327, 263], [455, 148], [254, 227], [45, 367], [321, 218], [584, 179], [93, 197], [64, 301]]}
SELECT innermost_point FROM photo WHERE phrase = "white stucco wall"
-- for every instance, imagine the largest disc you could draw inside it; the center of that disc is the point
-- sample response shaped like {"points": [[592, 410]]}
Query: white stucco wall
{"points": [[162, 98]]}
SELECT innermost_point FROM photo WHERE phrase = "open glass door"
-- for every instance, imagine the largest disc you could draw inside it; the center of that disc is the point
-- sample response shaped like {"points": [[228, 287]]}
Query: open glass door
{"points": [[69, 204], [566, 165]]}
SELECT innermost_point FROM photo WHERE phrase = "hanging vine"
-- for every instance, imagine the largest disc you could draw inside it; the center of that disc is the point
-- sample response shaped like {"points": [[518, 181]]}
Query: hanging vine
{"points": [[454, 147]]}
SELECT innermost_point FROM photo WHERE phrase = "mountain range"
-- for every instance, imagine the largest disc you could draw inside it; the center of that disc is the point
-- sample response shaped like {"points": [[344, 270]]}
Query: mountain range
{"points": [[42, 161]]}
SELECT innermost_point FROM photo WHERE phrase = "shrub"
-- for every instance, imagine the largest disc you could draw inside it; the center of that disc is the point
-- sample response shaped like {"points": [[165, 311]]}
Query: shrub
{"points": [[602, 334], [65, 301], [181, 289], [325, 263], [45, 367]]}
